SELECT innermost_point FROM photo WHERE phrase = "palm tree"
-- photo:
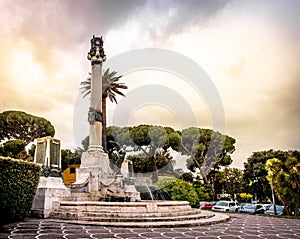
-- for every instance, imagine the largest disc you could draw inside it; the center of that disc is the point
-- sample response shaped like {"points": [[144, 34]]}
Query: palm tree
{"points": [[110, 89]]}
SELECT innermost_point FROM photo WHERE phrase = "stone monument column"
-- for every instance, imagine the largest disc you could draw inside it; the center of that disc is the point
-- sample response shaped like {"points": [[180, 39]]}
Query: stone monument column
{"points": [[95, 179], [94, 170], [95, 116]]}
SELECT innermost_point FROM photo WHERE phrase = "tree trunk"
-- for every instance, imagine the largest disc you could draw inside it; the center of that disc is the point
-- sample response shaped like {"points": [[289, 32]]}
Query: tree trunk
{"points": [[212, 183], [104, 133], [155, 170], [203, 176]]}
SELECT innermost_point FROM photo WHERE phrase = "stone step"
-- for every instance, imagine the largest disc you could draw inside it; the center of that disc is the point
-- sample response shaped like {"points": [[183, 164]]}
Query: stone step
{"points": [[128, 214], [212, 218], [146, 219], [135, 214], [125, 207], [166, 204], [142, 215], [102, 216]]}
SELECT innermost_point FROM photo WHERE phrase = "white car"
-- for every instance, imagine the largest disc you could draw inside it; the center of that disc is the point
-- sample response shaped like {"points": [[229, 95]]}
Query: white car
{"points": [[226, 206]]}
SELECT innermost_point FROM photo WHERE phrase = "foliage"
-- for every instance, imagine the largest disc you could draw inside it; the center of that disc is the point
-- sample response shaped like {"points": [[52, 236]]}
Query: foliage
{"points": [[231, 181], [203, 191], [31, 151], [179, 190], [18, 183], [207, 149], [245, 196], [142, 164], [147, 139], [23, 126], [110, 85], [255, 173], [120, 135], [13, 148], [284, 177], [68, 158], [187, 177]]}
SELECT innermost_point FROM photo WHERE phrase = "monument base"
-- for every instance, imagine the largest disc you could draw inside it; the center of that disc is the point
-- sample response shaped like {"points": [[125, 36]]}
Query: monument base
{"points": [[95, 148], [96, 181], [132, 194], [49, 193]]}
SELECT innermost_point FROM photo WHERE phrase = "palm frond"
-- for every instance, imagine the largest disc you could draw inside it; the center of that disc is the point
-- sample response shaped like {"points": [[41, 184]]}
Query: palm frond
{"points": [[110, 85], [87, 93], [118, 92]]}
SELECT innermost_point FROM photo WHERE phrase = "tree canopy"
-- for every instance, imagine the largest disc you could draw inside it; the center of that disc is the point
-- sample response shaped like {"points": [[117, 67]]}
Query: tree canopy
{"points": [[13, 149], [163, 160], [284, 177], [147, 139], [23, 126], [231, 180], [255, 173], [207, 149]]}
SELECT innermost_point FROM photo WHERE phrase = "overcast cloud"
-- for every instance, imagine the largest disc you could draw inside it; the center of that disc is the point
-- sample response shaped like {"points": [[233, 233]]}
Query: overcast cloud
{"points": [[250, 50]]}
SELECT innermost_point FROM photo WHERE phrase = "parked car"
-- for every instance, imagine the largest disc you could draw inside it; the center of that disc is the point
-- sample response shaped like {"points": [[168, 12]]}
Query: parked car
{"points": [[206, 205], [279, 210], [241, 205], [226, 206], [252, 208], [266, 206]]}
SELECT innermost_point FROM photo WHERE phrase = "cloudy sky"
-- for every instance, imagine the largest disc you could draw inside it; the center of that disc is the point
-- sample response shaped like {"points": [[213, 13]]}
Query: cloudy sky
{"points": [[250, 51]]}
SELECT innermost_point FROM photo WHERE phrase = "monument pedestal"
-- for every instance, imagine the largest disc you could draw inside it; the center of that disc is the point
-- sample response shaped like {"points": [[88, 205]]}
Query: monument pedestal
{"points": [[132, 193], [49, 193], [96, 181]]}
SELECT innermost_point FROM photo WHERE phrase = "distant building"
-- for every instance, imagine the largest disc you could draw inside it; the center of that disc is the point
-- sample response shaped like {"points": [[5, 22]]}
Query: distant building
{"points": [[69, 174]]}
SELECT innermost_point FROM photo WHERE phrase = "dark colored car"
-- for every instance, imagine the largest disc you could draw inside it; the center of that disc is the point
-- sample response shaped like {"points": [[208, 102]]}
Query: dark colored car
{"points": [[279, 210], [206, 205], [252, 208]]}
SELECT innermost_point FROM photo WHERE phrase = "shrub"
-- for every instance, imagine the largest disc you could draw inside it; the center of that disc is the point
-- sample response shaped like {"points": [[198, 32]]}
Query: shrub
{"points": [[245, 196], [203, 194], [179, 190], [18, 183]]}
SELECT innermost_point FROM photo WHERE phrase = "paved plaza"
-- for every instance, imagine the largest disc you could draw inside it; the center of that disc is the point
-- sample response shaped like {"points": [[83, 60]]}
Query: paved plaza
{"points": [[239, 226]]}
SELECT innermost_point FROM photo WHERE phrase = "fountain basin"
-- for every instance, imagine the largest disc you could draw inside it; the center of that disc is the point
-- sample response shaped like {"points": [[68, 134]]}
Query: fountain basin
{"points": [[133, 214]]}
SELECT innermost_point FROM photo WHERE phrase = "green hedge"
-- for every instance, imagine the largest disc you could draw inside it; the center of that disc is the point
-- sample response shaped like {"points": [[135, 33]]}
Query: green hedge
{"points": [[179, 190], [18, 183]]}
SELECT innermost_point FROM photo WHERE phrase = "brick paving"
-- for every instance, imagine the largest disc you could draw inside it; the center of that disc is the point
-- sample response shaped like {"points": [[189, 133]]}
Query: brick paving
{"points": [[239, 226]]}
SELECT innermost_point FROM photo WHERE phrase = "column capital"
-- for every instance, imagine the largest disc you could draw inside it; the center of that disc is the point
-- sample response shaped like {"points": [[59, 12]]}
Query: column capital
{"points": [[96, 54]]}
